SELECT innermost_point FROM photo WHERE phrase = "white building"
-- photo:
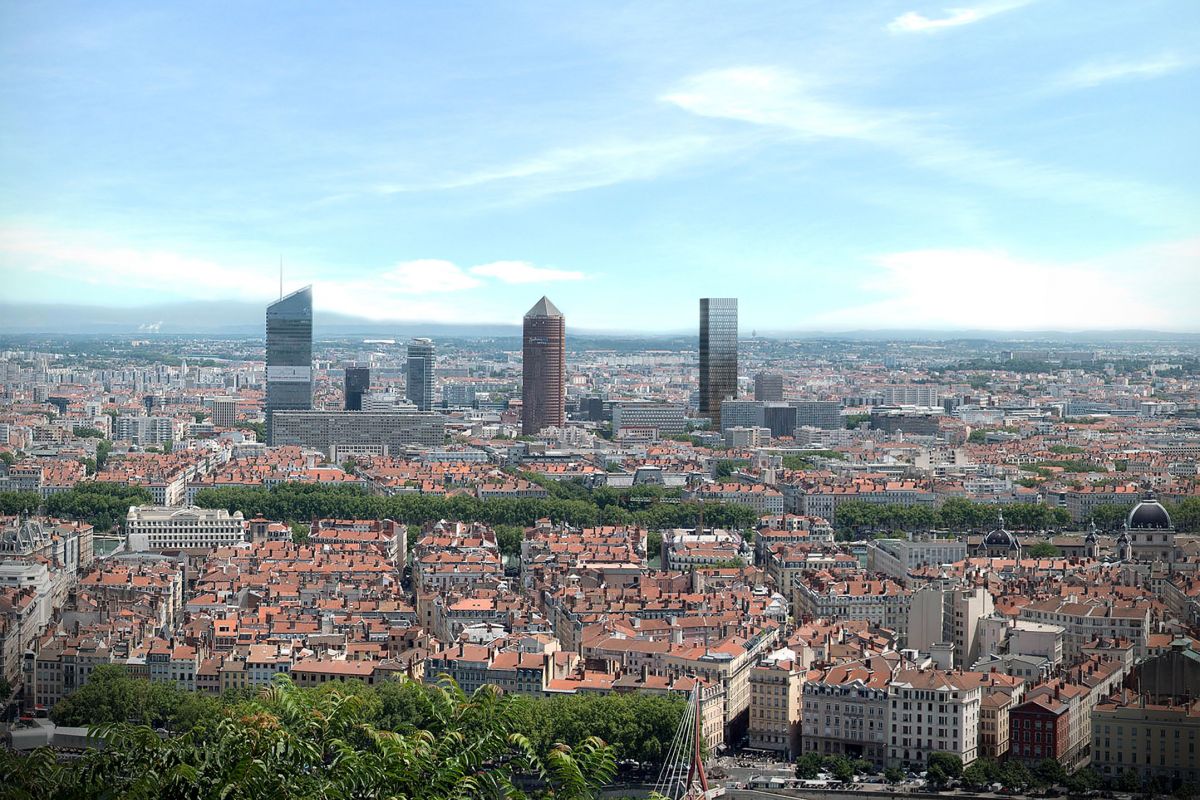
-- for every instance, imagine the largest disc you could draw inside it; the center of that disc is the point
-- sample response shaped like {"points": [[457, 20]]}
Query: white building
{"points": [[165, 528], [898, 557], [932, 711]]}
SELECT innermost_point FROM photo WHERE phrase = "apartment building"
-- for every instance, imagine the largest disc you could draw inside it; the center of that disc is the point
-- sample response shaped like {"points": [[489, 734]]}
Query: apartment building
{"points": [[776, 702], [933, 711], [898, 557], [845, 710]]}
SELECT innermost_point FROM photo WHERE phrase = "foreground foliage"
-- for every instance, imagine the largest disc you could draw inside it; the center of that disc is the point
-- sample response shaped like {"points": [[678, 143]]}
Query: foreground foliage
{"points": [[293, 743]]}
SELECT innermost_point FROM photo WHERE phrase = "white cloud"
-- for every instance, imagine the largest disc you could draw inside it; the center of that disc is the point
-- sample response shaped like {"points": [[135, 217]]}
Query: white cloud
{"points": [[424, 276], [914, 22], [399, 292], [778, 99], [1100, 72], [524, 272], [983, 289]]}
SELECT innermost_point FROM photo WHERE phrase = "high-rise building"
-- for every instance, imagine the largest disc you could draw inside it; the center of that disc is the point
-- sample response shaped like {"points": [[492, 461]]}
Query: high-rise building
{"points": [[357, 383], [768, 387], [419, 388], [289, 354], [339, 434], [718, 355], [826, 414], [224, 412], [543, 368]]}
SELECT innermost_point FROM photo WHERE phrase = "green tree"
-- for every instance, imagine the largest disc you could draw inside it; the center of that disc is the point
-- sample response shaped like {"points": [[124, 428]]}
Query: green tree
{"points": [[1129, 781], [950, 765], [980, 774], [509, 538], [199, 416], [88, 433], [893, 775], [22, 503], [1014, 776], [1110, 517], [1049, 772], [840, 768], [8, 458], [300, 532], [103, 505], [809, 766], [853, 421], [1044, 550], [1083, 780]]}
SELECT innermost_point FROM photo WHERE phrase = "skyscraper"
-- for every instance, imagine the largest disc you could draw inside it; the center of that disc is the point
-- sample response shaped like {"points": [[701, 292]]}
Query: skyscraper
{"points": [[289, 354], [768, 387], [543, 368], [419, 387], [358, 383], [718, 355]]}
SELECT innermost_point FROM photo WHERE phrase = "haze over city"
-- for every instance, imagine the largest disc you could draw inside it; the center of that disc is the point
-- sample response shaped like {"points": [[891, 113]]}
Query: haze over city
{"points": [[1005, 165]]}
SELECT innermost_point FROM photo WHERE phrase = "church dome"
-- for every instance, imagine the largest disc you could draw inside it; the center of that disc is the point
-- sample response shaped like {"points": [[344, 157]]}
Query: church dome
{"points": [[1148, 514]]}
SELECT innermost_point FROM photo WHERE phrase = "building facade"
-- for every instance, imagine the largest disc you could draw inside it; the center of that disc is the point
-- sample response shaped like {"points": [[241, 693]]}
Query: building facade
{"points": [[347, 433], [718, 355], [543, 368], [166, 528], [357, 383], [289, 355], [419, 385]]}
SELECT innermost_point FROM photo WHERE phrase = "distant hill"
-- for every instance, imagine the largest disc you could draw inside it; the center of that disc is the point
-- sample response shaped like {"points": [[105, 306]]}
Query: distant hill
{"points": [[215, 318]]}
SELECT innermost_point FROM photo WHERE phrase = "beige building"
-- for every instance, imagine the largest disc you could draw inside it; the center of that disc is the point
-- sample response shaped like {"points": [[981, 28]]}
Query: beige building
{"points": [[934, 711], [776, 701], [845, 711], [166, 528]]}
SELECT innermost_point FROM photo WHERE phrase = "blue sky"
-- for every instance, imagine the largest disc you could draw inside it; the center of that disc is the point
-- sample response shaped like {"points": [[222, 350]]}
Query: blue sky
{"points": [[988, 163]]}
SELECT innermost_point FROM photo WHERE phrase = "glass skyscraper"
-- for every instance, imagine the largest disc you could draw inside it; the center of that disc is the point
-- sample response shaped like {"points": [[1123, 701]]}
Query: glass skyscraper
{"points": [[358, 383], [419, 386], [543, 368], [289, 354], [718, 355]]}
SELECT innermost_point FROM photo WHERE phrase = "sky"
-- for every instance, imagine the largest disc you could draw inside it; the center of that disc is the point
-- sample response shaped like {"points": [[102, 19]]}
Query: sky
{"points": [[994, 164]]}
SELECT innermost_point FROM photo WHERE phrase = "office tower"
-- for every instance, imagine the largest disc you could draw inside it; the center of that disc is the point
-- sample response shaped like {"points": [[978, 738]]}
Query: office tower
{"points": [[666, 418], [910, 394], [768, 387], [543, 368], [357, 383], [224, 412], [419, 388], [289, 354], [742, 413], [340, 434], [825, 414], [780, 418], [718, 355]]}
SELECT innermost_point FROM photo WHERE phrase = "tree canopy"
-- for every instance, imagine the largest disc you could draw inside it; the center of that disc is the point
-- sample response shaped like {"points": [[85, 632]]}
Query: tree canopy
{"points": [[288, 742]]}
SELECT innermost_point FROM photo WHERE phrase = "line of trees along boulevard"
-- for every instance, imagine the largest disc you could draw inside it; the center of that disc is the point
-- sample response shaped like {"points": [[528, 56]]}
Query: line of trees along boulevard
{"points": [[342, 740], [296, 502]]}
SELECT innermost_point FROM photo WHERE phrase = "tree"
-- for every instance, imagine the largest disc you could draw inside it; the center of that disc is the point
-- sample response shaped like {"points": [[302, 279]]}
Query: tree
{"points": [[8, 458], [941, 768], [19, 503], [853, 421], [893, 775], [349, 465], [1110, 517], [809, 766], [1044, 550], [1083, 780], [88, 433], [101, 504], [840, 768], [199, 416], [1129, 781], [288, 742], [981, 773], [1015, 776], [1049, 772], [509, 538], [300, 532]]}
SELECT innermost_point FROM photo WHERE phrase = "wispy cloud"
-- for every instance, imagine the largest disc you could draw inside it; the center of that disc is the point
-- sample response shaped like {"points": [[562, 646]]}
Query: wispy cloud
{"points": [[915, 22], [571, 169], [405, 290], [944, 288], [524, 272], [1100, 72], [785, 101]]}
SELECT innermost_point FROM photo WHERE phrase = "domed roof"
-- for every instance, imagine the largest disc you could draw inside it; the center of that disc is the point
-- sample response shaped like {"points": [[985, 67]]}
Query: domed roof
{"points": [[1001, 537], [1148, 514]]}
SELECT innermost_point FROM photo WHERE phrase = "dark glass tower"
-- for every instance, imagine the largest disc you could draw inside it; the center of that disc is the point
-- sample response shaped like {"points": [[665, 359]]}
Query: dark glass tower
{"points": [[358, 383], [718, 355], [419, 386], [543, 368], [289, 354]]}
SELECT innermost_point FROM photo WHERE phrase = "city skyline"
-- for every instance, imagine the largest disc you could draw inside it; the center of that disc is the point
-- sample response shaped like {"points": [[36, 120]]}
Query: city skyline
{"points": [[882, 166]]}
